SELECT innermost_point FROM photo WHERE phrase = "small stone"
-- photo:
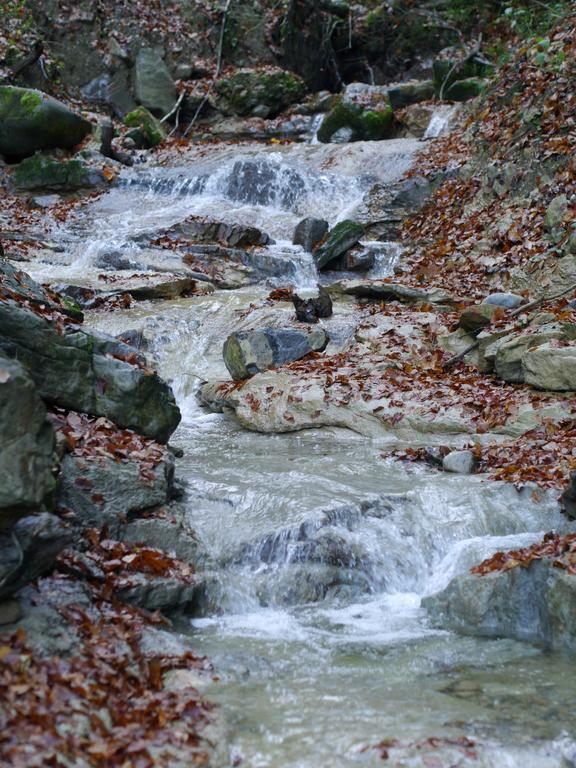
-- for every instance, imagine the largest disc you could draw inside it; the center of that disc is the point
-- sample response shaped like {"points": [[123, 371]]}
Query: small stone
{"points": [[506, 300], [460, 462], [10, 611], [476, 317]]}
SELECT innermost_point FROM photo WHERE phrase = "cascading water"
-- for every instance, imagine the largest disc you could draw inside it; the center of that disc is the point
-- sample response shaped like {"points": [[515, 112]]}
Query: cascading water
{"points": [[316, 551]]}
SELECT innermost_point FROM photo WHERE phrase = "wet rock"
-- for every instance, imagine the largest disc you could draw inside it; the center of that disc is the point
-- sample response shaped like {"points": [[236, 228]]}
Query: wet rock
{"points": [[44, 201], [135, 337], [310, 308], [79, 370], [261, 182], [147, 131], [27, 444], [245, 89], [505, 300], [167, 534], [535, 604], [31, 121], [232, 235], [359, 259], [112, 261], [476, 317], [29, 549], [309, 233], [340, 239], [106, 492], [41, 172], [249, 352], [405, 94], [153, 84], [460, 462], [160, 593], [550, 367]]}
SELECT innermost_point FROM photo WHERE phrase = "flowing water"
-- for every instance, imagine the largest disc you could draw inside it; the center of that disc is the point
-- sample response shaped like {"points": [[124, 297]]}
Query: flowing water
{"points": [[317, 552]]}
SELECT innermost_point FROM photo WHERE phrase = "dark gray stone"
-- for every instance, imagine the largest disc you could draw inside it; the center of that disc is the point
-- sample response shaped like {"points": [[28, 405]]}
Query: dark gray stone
{"points": [[310, 308], [341, 238], [309, 233]]}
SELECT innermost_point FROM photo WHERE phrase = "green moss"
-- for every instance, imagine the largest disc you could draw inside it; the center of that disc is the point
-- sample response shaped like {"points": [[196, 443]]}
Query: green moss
{"points": [[241, 92], [365, 125], [30, 101], [148, 131], [40, 172]]}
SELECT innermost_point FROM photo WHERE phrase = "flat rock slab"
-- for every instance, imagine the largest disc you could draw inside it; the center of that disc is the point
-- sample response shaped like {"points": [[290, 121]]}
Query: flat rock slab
{"points": [[380, 290]]}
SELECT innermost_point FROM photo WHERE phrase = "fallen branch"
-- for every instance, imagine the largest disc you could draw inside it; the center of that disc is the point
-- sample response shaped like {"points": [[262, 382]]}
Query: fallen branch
{"points": [[518, 311]]}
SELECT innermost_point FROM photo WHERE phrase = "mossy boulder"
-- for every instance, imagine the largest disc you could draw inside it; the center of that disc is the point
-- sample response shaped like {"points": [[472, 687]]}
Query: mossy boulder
{"points": [[30, 121], [41, 172], [147, 131], [340, 239], [464, 90], [351, 122], [449, 70], [410, 93], [243, 91]]}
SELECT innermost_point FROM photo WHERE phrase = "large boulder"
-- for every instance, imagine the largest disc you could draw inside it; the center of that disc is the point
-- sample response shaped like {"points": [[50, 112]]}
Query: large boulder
{"points": [[340, 239], [28, 550], [247, 89], [78, 369], [101, 491], [30, 120], [536, 604], [550, 366], [26, 447], [249, 352], [153, 84], [405, 94], [512, 350]]}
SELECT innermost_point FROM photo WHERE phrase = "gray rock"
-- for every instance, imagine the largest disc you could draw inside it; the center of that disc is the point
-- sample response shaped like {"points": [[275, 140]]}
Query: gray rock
{"points": [[568, 498], [359, 259], [511, 350], [29, 549], [162, 533], [249, 352], [44, 201], [40, 172], [309, 233], [106, 492], [26, 448], [77, 369], [556, 213], [535, 604], [460, 462], [31, 121], [550, 367], [506, 300], [115, 260], [405, 94], [382, 291], [341, 238], [153, 84], [162, 593]]}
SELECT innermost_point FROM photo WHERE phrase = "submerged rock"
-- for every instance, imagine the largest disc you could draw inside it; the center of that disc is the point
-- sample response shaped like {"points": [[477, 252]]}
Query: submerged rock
{"points": [[249, 352], [309, 233], [31, 121], [27, 445], [340, 239]]}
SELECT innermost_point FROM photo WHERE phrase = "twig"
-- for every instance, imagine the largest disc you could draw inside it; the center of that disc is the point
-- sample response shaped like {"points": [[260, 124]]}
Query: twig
{"points": [[175, 108], [518, 311]]}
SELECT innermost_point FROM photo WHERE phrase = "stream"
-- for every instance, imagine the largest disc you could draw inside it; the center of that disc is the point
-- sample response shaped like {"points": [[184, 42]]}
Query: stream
{"points": [[316, 550]]}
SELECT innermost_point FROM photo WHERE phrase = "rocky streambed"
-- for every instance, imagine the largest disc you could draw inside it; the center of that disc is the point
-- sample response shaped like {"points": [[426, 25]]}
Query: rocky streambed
{"points": [[317, 559]]}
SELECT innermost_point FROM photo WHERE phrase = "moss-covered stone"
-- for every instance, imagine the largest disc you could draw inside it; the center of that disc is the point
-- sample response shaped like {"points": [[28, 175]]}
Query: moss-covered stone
{"points": [[448, 71], [241, 92], [464, 90], [147, 132], [30, 121], [410, 93], [41, 172], [350, 122], [340, 239]]}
